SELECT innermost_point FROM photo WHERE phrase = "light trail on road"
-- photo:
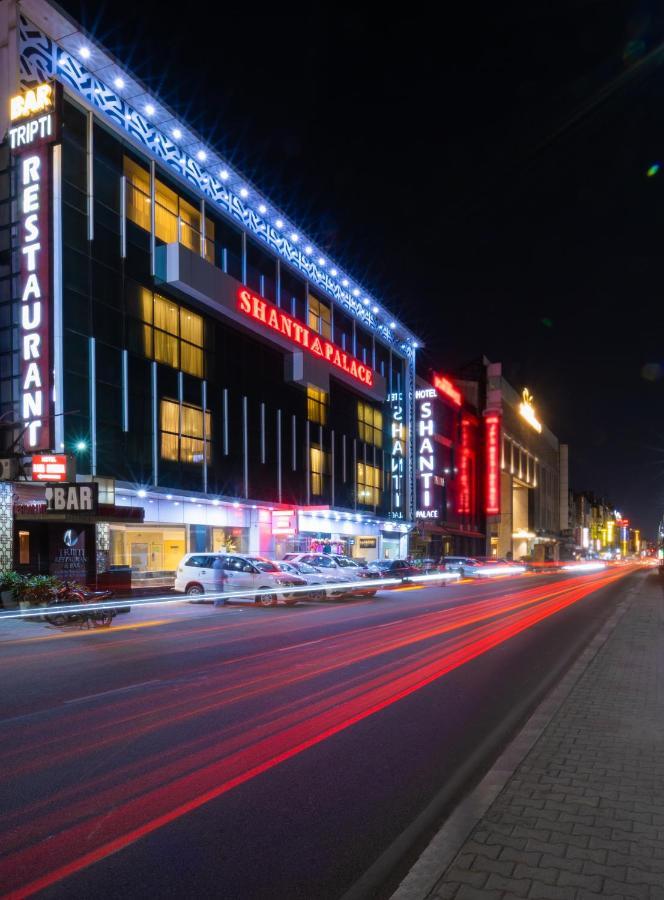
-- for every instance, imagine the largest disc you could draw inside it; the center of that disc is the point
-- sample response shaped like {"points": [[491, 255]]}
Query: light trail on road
{"points": [[135, 791]]}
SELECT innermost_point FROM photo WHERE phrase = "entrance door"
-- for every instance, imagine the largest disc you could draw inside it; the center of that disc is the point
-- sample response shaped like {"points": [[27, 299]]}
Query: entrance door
{"points": [[139, 557]]}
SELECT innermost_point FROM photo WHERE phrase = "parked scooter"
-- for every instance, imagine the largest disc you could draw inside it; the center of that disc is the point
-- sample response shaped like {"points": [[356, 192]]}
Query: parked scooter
{"points": [[69, 595]]}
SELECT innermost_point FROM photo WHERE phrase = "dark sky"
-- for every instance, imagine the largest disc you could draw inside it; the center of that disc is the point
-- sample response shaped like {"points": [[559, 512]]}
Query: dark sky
{"points": [[482, 171]]}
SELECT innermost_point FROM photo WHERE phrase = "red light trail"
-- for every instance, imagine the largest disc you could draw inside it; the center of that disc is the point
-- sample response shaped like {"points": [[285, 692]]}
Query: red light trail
{"points": [[75, 823]]}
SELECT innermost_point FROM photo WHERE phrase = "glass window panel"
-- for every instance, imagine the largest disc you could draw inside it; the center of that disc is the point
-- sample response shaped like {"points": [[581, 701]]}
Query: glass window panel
{"points": [[166, 197], [191, 359], [192, 421], [190, 226], [191, 327], [138, 193], [169, 446], [166, 348], [317, 402], [166, 315]]}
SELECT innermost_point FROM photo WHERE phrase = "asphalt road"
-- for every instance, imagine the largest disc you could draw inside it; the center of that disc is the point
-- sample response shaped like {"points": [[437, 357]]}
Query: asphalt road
{"points": [[238, 752]]}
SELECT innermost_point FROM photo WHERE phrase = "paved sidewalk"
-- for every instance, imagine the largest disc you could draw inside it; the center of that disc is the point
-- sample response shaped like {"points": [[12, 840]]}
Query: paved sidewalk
{"points": [[582, 814]]}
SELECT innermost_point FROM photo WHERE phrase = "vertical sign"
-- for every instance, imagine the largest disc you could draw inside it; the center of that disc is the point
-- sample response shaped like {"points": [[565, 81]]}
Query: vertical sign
{"points": [[492, 448], [464, 505], [34, 127], [398, 434], [426, 456]]}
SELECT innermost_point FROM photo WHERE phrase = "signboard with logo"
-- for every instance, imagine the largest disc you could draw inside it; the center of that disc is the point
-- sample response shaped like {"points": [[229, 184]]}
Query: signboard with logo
{"points": [[283, 522], [72, 498], [34, 122], [367, 543], [276, 319], [69, 552], [52, 467]]}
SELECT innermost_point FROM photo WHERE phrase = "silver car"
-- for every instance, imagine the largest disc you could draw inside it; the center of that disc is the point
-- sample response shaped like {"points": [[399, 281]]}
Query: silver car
{"points": [[314, 576]]}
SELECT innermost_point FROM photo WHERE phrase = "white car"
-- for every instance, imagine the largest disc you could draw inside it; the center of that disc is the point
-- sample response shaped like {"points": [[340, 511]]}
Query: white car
{"points": [[210, 573], [312, 576], [345, 568]]}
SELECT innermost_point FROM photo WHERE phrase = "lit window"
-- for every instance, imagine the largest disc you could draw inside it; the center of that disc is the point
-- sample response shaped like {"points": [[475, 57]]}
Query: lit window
{"points": [[320, 317], [190, 226], [182, 437], [24, 548], [177, 338], [138, 193], [368, 485], [317, 406], [318, 461], [165, 214], [370, 424]]}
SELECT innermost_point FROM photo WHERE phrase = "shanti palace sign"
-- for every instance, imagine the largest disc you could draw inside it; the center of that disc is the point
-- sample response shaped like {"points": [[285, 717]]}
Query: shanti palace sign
{"points": [[276, 319]]}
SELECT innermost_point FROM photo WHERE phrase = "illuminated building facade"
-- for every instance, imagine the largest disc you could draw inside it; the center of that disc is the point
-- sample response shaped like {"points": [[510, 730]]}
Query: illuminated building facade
{"points": [[210, 368], [449, 520], [525, 481]]}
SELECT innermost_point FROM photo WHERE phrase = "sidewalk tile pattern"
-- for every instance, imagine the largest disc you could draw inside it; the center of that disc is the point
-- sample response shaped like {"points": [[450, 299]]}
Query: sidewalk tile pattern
{"points": [[583, 815]]}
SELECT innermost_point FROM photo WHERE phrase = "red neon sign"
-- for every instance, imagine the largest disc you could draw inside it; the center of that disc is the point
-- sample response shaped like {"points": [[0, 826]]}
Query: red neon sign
{"points": [[445, 386], [262, 311], [49, 467], [492, 434], [465, 495]]}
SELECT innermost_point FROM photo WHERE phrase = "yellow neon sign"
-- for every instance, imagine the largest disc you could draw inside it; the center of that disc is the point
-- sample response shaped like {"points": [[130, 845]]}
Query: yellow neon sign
{"points": [[32, 101], [527, 411]]}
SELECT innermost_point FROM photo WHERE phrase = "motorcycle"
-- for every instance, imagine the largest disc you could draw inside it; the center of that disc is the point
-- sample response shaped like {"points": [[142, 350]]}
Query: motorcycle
{"points": [[68, 595]]}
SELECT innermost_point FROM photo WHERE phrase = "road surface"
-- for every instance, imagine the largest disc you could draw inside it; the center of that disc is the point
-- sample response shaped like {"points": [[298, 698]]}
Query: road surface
{"points": [[241, 752]]}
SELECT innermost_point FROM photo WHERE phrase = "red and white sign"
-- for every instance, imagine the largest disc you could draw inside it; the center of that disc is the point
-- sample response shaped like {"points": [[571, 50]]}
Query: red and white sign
{"points": [[283, 522], [492, 447], [445, 387], [49, 467], [467, 450], [30, 143], [267, 314]]}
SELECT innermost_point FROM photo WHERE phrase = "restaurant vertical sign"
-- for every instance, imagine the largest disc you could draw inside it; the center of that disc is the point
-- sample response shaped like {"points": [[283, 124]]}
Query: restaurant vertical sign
{"points": [[34, 122]]}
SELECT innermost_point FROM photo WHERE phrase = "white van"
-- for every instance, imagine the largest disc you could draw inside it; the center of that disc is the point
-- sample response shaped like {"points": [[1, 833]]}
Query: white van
{"points": [[210, 573]]}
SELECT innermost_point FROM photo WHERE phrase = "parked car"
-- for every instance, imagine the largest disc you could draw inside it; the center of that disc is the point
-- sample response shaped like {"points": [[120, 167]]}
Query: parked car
{"points": [[315, 576], [454, 563], [209, 573], [346, 568], [393, 568], [487, 566]]}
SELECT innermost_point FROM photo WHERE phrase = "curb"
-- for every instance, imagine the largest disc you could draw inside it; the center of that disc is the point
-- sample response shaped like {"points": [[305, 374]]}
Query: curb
{"points": [[423, 877]]}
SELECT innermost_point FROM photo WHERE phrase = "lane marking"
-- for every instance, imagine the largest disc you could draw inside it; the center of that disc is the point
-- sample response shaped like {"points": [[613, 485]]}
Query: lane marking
{"points": [[122, 690]]}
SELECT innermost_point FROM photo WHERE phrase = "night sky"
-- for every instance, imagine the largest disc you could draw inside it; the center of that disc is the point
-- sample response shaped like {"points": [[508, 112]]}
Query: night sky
{"points": [[483, 173]]}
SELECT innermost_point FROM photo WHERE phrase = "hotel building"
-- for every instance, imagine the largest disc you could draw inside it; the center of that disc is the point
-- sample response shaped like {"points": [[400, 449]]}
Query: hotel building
{"points": [[171, 338]]}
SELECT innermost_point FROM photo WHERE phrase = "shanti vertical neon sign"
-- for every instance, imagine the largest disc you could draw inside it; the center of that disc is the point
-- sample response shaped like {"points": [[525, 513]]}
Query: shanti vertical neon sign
{"points": [[492, 449], [398, 434], [34, 127], [426, 456]]}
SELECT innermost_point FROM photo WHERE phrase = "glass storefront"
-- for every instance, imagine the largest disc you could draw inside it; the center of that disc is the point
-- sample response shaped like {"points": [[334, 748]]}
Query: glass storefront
{"points": [[155, 549]]}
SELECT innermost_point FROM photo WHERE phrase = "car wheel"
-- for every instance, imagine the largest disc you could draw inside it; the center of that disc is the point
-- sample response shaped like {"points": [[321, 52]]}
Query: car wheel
{"points": [[266, 599], [194, 590]]}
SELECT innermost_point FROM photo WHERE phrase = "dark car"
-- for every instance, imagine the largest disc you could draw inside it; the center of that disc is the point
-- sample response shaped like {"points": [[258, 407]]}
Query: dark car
{"points": [[394, 568]]}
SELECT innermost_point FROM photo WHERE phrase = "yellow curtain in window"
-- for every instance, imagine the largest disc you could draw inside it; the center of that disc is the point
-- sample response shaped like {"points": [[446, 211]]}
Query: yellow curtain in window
{"points": [[166, 348], [166, 315], [191, 327], [191, 359]]}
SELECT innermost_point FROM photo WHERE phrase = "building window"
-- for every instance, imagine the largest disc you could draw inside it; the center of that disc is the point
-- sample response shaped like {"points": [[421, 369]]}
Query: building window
{"points": [[320, 317], [370, 424], [317, 403], [169, 333], [368, 485], [318, 465], [138, 193], [24, 548], [182, 439]]}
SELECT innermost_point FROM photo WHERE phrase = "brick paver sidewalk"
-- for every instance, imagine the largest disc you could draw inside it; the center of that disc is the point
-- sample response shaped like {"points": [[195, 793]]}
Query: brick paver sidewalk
{"points": [[583, 814]]}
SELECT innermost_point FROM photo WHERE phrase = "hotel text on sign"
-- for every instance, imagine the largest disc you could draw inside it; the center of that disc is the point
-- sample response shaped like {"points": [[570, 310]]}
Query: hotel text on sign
{"points": [[49, 467], [264, 312]]}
